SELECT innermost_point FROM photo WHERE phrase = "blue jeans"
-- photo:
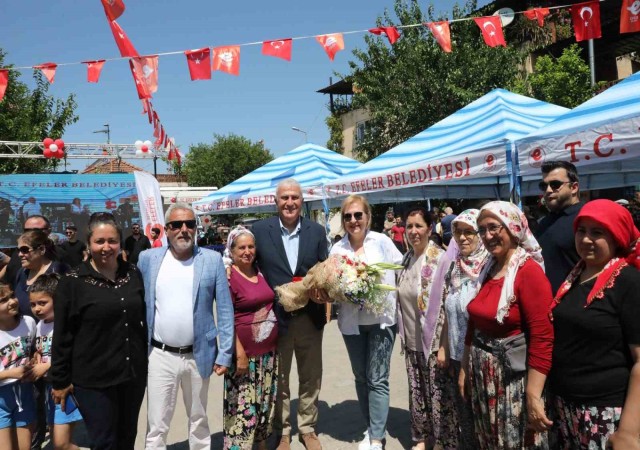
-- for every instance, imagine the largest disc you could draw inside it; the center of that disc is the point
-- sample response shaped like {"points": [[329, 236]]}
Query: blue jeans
{"points": [[370, 356]]}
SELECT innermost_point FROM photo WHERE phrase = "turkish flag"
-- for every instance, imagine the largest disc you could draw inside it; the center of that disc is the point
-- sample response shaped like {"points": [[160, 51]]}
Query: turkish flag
{"points": [[391, 32], [442, 33], [166, 141], [280, 48], [148, 67], [4, 82], [148, 108], [537, 14], [48, 70], [141, 84], [122, 41], [113, 8], [491, 28], [630, 16], [93, 70], [199, 62], [332, 43], [227, 59], [586, 21]]}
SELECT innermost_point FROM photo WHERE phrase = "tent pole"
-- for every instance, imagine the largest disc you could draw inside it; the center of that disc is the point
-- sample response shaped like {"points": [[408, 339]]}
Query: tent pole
{"points": [[592, 63]]}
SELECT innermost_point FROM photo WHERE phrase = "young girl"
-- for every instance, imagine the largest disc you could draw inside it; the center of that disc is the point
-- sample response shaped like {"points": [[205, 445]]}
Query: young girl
{"points": [[60, 423], [17, 407]]}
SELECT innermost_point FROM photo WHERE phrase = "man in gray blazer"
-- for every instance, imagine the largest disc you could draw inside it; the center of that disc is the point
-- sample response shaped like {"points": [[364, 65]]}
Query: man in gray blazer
{"points": [[287, 246], [181, 282]]}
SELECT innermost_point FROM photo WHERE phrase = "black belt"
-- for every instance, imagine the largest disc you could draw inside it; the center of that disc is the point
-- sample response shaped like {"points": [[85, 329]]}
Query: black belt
{"points": [[168, 348]]}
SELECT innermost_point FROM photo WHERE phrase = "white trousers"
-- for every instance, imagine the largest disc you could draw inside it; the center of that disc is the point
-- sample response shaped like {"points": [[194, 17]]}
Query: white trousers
{"points": [[167, 372]]}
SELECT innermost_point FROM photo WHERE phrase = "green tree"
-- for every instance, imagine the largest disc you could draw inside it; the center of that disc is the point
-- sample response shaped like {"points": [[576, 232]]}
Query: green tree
{"points": [[225, 160], [32, 115], [413, 84], [564, 81]]}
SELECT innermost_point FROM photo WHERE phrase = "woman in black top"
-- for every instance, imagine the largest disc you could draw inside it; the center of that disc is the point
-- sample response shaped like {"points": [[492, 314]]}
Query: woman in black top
{"points": [[99, 351], [595, 373]]}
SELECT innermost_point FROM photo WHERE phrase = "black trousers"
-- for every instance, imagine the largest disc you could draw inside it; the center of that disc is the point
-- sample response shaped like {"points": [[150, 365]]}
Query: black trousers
{"points": [[111, 414]]}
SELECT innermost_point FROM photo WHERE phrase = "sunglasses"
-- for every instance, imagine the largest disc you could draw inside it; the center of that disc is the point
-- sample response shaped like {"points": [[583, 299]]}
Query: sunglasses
{"points": [[357, 215], [555, 185], [177, 224], [36, 229], [25, 250], [69, 232]]}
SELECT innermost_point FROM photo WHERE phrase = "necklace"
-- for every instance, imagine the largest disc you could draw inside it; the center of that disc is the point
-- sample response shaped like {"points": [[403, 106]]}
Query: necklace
{"points": [[590, 278]]}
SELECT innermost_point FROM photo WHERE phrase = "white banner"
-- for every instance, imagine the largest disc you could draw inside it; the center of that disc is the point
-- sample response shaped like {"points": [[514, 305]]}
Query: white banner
{"points": [[485, 163], [150, 203], [606, 143]]}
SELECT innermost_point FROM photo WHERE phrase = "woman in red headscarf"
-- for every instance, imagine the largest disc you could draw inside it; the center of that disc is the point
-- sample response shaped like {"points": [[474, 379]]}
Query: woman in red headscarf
{"points": [[595, 375]]}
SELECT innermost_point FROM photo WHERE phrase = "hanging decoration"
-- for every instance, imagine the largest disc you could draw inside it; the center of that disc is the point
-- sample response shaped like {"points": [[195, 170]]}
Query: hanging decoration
{"points": [[441, 33], [4, 82], [537, 14], [391, 33], [94, 68], [122, 40], [332, 43], [227, 59], [586, 21], [113, 8], [143, 148], [491, 28], [630, 16], [280, 48], [199, 62], [53, 149], [48, 70]]}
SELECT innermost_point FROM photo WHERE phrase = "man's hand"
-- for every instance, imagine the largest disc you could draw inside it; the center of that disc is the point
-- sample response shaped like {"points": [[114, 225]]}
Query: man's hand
{"points": [[220, 370], [60, 395], [319, 296]]}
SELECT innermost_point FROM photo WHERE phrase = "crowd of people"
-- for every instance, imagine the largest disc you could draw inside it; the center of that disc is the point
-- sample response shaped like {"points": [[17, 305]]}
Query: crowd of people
{"points": [[510, 340]]}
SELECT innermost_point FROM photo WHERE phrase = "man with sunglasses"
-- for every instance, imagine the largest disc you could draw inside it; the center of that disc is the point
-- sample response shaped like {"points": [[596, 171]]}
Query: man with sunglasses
{"points": [[560, 190], [135, 244], [181, 282], [287, 246], [75, 251]]}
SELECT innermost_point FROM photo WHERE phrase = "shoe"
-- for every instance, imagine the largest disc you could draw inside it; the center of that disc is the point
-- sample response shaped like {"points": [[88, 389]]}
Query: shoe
{"points": [[310, 441], [284, 442], [365, 444], [376, 446]]}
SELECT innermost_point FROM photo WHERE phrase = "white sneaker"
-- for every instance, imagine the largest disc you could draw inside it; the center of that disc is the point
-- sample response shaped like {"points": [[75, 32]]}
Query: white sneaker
{"points": [[376, 446], [365, 444]]}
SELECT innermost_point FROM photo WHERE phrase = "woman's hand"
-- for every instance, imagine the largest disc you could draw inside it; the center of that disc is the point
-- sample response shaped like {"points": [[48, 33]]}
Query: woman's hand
{"points": [[242, 365], [463, 384], [536, 417], [442, 360], [621, 440], [39, 370], [319, 296], [60, 395]]}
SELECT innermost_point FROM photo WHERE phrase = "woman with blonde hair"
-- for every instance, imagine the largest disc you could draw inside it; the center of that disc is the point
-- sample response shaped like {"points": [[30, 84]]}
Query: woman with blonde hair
{"points": [[369, 338]]}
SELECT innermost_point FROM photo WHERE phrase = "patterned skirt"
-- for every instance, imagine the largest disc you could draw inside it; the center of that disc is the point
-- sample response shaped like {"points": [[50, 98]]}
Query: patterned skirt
{"points": [[581, 427], [431, 402], [498, 403], [249, 402]]}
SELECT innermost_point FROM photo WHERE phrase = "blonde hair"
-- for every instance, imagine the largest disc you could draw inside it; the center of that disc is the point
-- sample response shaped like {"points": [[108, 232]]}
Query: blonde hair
{"points": [[350, 200]]}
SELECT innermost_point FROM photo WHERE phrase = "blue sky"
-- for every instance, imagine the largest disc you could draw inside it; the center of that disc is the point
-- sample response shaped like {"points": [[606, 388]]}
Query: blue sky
{"points": [[264, 102]]}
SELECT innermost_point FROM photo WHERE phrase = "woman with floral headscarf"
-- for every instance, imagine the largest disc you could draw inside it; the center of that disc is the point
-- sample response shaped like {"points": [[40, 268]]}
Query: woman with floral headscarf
{"points": [[595, 377], [509, 338], [461, 284], [251, 383]]}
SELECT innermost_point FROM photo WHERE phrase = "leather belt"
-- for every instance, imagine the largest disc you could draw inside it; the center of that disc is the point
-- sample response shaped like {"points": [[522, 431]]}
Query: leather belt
{"points": [[168, 348]]}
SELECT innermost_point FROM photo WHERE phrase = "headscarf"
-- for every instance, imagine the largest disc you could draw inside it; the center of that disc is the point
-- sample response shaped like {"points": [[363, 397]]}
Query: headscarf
{"points": [[617, 220], [514, 220], [468, 267], [234, 234]]}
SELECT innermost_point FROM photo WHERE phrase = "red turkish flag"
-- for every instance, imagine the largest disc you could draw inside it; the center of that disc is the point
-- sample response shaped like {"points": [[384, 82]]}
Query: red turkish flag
{"points": [[199, 62], [586, 21], [391, 32], [138, 77], [166, 141], [147, 66], [48, 70], [537, 14], [227, 59], [442, 33], [122, 41], [491, 28], [630, 16], [113, 8], [280, 48], [332, 43], [93, 70], [148, 108], [4, 82]]}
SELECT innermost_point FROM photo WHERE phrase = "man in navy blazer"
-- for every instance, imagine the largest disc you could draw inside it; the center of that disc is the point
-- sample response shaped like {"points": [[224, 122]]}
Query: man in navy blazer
{"points": [[185, 346], [287, 246]]}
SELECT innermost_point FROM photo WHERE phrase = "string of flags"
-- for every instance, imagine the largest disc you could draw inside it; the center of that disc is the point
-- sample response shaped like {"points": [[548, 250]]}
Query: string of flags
{"points": [[202, 62]]}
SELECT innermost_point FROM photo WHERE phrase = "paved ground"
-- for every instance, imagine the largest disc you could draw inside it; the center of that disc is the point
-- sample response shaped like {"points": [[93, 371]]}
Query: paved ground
{"points": [[341, 424]]}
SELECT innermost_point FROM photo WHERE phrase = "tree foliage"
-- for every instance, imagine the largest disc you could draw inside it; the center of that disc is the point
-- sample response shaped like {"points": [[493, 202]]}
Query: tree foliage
{"points": [[32, 115], [413, 84], [225, 160], [564, 81]]}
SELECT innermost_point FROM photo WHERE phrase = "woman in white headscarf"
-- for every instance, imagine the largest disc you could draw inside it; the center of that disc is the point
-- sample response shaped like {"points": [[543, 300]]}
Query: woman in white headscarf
{"points": [[508, 368]]}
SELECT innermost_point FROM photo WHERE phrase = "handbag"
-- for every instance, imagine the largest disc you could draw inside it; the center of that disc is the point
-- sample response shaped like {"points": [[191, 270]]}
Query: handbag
{"points": [[515, 353]]}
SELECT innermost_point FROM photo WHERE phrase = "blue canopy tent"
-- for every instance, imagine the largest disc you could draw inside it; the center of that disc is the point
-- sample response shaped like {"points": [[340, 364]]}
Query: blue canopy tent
{"points": [[310, 165], [466, 155], [601, 137]]}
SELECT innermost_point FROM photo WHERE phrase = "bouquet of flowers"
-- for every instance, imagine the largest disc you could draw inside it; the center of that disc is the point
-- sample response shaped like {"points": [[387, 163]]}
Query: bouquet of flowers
{"points": [[345, 279]]}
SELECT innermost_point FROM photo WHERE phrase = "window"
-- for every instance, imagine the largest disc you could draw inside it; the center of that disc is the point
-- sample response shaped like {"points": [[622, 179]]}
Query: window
{"points": [[360, 131]]}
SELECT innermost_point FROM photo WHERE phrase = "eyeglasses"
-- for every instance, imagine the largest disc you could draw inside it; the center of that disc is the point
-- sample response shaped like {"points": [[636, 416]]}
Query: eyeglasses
{"points": [[25, 250], [466, 233], [357, 215], [492, 229], [555, 185], [177, 224]]}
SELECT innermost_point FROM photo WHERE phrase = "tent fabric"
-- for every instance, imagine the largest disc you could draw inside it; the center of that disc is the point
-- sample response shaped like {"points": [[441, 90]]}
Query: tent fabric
{"points": [[463, 155], [601, 137], [309, 164]]}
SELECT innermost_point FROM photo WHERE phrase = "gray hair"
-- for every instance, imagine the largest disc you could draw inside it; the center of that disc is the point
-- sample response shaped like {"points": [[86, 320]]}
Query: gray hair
{"points": [[289, 182], [178, 206]]}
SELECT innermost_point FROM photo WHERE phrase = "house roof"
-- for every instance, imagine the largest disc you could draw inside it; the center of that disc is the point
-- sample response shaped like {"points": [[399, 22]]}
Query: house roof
{"points": [[111, 166]]}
